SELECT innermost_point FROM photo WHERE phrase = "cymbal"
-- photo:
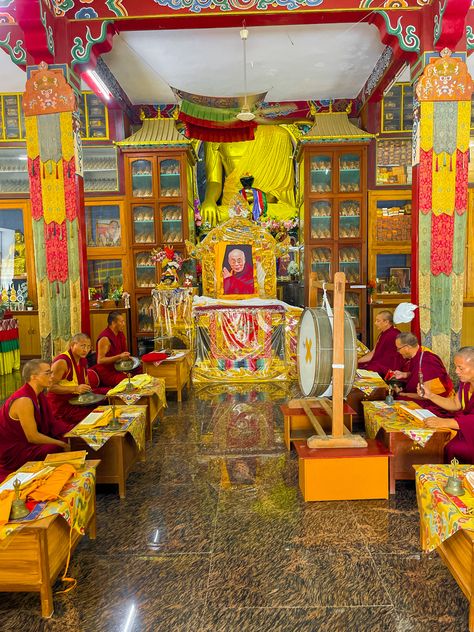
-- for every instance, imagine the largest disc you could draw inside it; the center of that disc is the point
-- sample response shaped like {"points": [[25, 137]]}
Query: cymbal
{"points": [[127, 364], [87, 399]]}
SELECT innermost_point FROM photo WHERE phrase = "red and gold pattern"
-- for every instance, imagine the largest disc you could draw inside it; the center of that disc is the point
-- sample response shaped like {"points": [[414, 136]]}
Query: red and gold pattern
{"points": [[445, 78]]}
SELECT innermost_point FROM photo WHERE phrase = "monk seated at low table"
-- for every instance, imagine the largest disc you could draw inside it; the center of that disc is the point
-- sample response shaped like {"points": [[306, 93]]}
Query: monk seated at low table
{"points": [[28, 429], [462, 405], [425, 367], [111, 347], [69, 372], [384, 355]]}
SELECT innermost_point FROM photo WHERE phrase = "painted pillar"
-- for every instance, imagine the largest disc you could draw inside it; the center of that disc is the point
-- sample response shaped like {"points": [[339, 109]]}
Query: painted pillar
{"points": [[56, 190], [440, 199]]}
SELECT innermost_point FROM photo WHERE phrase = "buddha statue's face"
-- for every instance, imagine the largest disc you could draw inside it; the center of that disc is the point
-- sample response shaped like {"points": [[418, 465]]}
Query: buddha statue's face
{"points": [[19, 237]]}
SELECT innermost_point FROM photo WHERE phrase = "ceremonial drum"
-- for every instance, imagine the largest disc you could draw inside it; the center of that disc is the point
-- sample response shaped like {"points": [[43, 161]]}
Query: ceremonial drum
{"points": [[315, 348]]}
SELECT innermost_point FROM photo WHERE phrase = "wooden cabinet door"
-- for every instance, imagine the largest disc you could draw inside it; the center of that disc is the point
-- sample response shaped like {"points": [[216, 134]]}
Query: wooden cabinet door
{"points": [[28, 333]]}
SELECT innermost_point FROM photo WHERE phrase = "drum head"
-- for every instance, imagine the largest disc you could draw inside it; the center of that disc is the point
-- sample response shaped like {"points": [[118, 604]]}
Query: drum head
{"points": [[315, 349]]}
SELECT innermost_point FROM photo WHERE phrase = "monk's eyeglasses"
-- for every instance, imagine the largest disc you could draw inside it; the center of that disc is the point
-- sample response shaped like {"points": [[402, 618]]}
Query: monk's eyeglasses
{"points": [[402, 347]]}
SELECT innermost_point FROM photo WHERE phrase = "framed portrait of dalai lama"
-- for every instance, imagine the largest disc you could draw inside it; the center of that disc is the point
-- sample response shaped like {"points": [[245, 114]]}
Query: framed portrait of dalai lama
{"points": [[236, 271]]}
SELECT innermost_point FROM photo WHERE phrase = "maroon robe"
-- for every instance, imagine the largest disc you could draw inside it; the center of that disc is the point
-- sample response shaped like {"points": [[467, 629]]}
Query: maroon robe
{"points": [[432, 368], [240, 282], [15, 450], [107, 373], [462, 446], [59, 402], [386, 356]]}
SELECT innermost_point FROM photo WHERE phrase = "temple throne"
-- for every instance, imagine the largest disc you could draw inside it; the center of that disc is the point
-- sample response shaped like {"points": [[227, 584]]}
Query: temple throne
{"points": [[242, 332]]}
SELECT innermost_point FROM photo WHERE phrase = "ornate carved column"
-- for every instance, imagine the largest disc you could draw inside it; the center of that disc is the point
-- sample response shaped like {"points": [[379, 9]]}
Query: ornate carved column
{"points": [[55, 170]]}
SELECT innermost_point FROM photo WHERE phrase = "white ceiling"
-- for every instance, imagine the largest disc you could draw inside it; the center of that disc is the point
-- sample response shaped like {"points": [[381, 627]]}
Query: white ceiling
{"points": [[296, 62]]}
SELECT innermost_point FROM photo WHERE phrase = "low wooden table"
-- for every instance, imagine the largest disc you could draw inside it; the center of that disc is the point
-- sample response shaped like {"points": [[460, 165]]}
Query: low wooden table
{"points": [[406, 453], [36, 553], [297, 425], [175, 372], [117, 456]]}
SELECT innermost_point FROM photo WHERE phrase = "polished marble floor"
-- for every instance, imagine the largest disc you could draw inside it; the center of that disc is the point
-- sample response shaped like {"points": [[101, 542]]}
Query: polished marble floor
{"points": [[214, 536]]}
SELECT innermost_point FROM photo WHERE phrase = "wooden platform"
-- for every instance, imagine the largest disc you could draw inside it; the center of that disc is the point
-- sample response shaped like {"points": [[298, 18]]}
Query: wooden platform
{"points": [[343, 473], [32, 558], [297, 426]]}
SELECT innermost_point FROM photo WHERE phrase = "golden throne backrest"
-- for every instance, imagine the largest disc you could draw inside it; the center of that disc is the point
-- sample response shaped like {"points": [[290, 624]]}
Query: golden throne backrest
{"points": [[233, 233]]}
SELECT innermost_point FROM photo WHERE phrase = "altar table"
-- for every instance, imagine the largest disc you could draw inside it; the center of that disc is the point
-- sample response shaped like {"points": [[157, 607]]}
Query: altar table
{"points": [[447, 525], [9, 346], [410, 444], [33, 554], [118, 450]]}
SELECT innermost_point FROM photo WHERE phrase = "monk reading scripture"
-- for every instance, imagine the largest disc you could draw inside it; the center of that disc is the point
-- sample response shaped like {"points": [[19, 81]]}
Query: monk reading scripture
{"points": [[69, 370], [112, 346], [421, 365], [28, 429], [462, 405], [384, 355], [239, 279]]}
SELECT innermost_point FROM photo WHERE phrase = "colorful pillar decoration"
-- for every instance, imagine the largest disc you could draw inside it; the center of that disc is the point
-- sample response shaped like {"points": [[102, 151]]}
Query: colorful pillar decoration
{"points": [[441, 146], [53, 148]]}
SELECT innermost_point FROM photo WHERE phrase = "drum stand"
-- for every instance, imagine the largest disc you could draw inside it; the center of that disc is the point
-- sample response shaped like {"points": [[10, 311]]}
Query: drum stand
{"points": [[340, 436]]}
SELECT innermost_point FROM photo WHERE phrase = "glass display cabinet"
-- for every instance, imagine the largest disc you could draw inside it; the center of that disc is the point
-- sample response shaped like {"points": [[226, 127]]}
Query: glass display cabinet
{"points": [[170, 178], [142, 175], [145, 270], [17, 278], [333, 182], [12, 122], [172, 223], [354, 305], [14, 171], [105, 274], [397, 109], [390, 223], [143, 217], [349, 219], [321, 219], [94, 117], [100, 169], [145, 322], [103, 225], [393, 162]]}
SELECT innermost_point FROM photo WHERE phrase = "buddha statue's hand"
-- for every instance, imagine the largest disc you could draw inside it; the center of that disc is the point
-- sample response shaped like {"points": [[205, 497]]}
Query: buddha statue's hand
{"points": [[209, 212]]}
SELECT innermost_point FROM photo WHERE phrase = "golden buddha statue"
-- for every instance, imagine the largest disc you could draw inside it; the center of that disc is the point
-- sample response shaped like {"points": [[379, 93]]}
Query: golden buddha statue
{"points": [[269, 158], [19, 261]]}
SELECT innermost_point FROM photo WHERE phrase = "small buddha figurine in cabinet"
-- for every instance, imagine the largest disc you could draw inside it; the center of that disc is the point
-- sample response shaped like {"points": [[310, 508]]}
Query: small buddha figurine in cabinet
{"points": [[18, 252]]}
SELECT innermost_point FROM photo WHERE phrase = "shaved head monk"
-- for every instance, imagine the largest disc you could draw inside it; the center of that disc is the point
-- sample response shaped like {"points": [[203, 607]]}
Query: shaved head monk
{"points": [[28, 429], [384, 355], [460, 407], [421, 364]]}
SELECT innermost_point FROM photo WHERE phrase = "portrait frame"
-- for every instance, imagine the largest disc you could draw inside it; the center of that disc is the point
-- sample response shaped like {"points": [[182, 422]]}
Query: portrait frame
{"points": [[102, 233], [223, 250], [403, 278]]}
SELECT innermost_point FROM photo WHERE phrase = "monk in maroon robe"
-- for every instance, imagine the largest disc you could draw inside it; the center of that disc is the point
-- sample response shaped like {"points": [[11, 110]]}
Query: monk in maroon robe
{"points": [[384, 355], [112, 346], [424, 367], [239, 279], [69, 370], [28, 429], [461, 407]]}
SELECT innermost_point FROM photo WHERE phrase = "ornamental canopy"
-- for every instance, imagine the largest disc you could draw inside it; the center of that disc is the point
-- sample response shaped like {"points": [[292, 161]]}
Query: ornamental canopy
{"points": [[156, 132], [334, 126]]}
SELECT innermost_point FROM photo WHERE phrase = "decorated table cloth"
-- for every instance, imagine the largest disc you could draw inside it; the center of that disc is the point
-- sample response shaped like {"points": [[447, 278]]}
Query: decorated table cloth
{"points": [[379, 415], [441, 514], [72, 506], [247, 341], [9, 346], [150, 386], [368, 381], [131, 418]]}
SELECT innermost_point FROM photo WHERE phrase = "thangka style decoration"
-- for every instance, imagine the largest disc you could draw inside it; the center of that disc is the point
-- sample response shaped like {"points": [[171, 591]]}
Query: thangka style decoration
{"points": [[53, 148], [442, 151]]}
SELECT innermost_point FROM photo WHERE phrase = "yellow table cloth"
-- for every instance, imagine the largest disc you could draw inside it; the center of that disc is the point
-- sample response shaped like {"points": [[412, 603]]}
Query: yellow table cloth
{"points": [[72, 505], [379, 415], [149, 387], [132, 419], [368, 381], [441, 514]]}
